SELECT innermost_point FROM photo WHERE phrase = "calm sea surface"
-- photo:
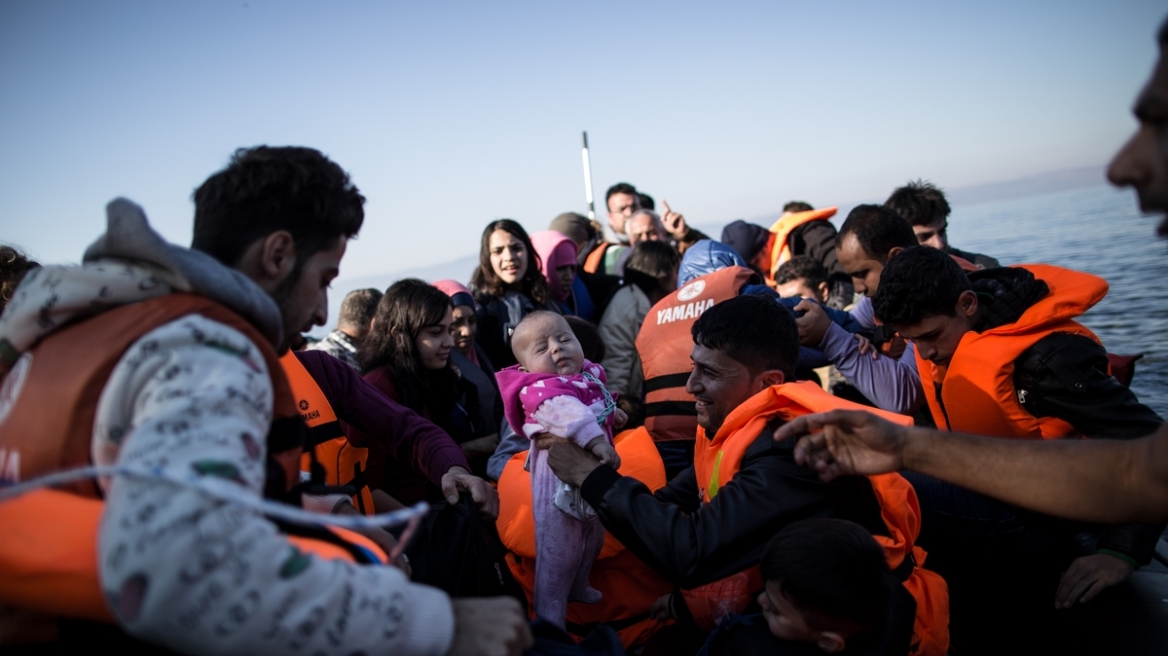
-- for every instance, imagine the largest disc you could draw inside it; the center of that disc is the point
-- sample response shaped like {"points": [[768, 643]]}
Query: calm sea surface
{"points": [[1099, 230]]}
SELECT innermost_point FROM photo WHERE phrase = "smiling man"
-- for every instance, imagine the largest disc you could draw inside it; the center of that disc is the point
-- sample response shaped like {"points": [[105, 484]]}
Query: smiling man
{"points": [[705, 530]]}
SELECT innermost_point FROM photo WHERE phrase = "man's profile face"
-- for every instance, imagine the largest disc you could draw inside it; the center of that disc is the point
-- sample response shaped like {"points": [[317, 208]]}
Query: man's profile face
{"points": [[719, 384], [620, 208], [303, 301], [933, 234], [864, 269], [1142, 163]]}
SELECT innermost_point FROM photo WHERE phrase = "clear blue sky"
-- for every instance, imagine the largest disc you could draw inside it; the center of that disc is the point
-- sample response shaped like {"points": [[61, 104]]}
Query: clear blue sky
{"points": [[448, 115]]}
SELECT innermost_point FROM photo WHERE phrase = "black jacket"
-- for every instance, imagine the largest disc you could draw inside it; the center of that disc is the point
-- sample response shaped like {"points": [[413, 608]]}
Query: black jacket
{"points": [[817, 239], [1065, 375], [690, 543]]}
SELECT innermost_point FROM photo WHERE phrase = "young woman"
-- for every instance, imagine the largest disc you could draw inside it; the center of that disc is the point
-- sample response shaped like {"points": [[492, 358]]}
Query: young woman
{"points": [[473, 365], [557, 254], [650, 275], [406, 355], [507, 285]]}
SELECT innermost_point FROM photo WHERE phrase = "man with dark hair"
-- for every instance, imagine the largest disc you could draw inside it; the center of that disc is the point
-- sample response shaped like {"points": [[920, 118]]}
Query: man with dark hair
{"points": [[801, 230], [924, 206], [345, 340], [163, 359], [1000, 354], [710, 523], [869, 237]]}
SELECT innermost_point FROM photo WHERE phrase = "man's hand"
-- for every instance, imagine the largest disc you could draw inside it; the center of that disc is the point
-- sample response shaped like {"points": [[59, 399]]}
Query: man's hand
{"points": [[485, 497], [1088, 576], [660, 609], [849, 442], [381, 537], [813, 324], [492, 626], [865, 346], [570, 463], [482, 446], [674, 222]]}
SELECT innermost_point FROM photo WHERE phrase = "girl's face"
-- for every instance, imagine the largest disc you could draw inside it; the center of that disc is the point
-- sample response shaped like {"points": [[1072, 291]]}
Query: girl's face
{"points": [[566, 274], [434, 343], [463, 328], [508, 256]]}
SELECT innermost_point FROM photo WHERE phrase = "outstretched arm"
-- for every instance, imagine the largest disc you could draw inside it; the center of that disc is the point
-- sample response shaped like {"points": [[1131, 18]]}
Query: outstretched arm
{"points": [[1092, 480]]}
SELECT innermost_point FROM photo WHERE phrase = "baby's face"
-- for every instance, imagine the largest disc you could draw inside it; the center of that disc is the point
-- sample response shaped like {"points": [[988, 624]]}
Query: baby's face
{"points": [[782, 617], [548, 347]]}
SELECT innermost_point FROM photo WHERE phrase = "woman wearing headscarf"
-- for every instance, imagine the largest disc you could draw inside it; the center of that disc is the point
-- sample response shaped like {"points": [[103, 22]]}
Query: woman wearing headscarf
{"points": [[474, 367], [557, 256]]}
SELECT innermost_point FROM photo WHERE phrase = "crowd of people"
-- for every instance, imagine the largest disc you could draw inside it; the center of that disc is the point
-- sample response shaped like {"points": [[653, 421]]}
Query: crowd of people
{"points": [[629, 436]]}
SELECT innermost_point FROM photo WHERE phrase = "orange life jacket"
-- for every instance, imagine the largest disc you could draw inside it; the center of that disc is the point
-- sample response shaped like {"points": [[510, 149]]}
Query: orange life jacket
{"points": [[665, 343], [48, 559], [343, 463], [602, 259], [780, 247], [629, 586], [716, 462], [977, 388]]}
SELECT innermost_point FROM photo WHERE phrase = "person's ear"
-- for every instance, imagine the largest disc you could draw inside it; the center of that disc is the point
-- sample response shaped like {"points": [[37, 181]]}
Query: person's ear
{"points": [[831, 642], [770, 377], [277, 255], [967, 303], [892, 253], [824, 291]]}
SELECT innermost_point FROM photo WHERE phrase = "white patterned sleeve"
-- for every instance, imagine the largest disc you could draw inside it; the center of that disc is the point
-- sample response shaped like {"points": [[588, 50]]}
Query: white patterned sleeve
{"points": [[202, 576]]}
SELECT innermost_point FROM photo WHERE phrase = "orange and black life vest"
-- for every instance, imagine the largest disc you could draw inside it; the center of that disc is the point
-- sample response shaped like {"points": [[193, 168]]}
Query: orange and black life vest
{"points": [[665, 343], [717, 460], [343, 463], [977, 393], [780, 245], [48, 559], [629, 586]]}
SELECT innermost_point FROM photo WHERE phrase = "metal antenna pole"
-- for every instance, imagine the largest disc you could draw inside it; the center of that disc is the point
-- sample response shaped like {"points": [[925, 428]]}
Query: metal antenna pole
{"points": [[588, 181]]}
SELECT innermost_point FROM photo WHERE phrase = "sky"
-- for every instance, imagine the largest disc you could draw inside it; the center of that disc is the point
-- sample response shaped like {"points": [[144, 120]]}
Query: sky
{"points": [[448, 115]]}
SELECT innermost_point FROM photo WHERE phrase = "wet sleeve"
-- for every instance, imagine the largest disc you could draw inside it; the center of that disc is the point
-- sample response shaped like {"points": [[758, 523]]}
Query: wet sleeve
{"points": [[198, 575], [721, 537], [892, 384]]}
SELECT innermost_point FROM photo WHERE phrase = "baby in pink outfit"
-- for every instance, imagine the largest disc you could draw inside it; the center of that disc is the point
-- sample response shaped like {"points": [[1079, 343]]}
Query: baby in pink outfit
{"points": [[555, 390]]}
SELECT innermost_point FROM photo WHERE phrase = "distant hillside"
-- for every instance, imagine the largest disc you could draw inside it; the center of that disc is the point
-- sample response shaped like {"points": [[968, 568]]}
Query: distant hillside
{"points": [[1045, 183]]}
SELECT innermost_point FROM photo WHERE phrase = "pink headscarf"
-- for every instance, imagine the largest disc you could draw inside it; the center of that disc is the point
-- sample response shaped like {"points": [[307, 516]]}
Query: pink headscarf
{"points": [[459, 295], [555, 250]]}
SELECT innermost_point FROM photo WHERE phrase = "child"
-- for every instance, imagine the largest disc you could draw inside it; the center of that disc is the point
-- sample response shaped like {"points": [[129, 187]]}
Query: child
{"points": [[827, 583], [803, 276], [555, 390]]}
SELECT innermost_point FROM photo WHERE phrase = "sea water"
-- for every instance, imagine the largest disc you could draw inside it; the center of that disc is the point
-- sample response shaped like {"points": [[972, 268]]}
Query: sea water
{"points": [[1099, 230]]}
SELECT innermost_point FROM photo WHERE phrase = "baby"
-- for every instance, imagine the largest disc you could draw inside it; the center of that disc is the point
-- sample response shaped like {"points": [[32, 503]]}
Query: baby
{"points": [[555, 390]]}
